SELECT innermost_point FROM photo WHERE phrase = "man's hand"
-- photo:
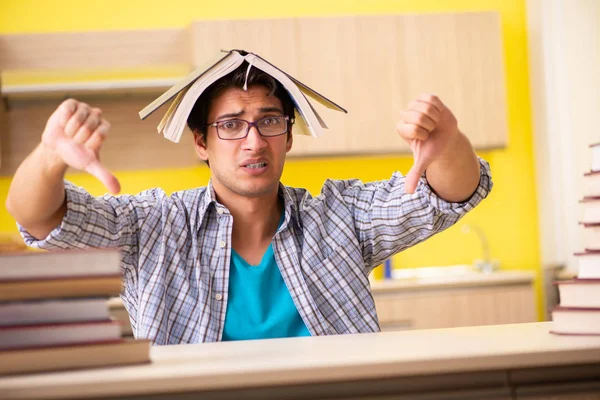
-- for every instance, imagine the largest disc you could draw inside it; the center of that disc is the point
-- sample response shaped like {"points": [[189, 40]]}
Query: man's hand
{"points": [[428, 126], [75, 132]]}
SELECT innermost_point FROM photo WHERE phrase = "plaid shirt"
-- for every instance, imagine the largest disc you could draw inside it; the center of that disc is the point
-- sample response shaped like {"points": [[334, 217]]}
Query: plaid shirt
{"points": [[177, 250]]}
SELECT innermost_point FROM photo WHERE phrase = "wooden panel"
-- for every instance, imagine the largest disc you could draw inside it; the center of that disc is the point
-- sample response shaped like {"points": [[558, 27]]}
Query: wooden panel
{"points": [[274, 39], [374, 65], [3, 126], [498, 394], [589, 390], [564, 396], [460, 57], [132, 143], [357, 67], [562, 382], [94, 49], [456, 307], [558, 374]]}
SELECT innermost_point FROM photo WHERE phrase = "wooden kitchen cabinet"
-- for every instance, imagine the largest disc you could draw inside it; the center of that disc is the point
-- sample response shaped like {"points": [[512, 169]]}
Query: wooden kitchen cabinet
{"points": [[498, 298], [371, 65], [567, 391], [374, 66], [565, 396]]}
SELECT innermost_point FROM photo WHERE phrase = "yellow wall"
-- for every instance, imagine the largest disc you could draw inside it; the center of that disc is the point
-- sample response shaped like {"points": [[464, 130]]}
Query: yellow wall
{"points": [[508, 216]]}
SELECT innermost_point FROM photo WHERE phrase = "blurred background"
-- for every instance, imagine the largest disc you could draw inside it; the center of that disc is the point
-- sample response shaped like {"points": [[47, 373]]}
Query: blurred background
{"points": [[520, 74]]}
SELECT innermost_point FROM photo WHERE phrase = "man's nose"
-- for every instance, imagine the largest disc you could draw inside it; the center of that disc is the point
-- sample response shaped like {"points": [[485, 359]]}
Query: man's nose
{"points": [[254, 140]]}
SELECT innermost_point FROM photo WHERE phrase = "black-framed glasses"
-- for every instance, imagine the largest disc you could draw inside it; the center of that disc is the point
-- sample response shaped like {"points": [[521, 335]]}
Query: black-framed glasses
{"points": [[234, 129]]}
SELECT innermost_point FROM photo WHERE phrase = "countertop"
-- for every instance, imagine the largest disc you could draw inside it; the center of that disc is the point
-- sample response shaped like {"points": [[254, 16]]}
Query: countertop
{"points": [[311, 360], [473, 279]]}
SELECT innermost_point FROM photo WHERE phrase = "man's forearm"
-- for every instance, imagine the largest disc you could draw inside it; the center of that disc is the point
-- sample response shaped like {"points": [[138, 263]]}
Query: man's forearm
{"points": [[36, 198], [454, 175]]}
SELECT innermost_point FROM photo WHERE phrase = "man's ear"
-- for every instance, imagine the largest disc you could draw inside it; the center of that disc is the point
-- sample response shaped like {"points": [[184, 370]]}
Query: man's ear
{"points": [[200, 146], [290, 140]]}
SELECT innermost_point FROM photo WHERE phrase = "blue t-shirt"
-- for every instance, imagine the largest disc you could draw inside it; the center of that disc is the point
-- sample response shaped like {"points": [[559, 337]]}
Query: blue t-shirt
{"points": [[260, 305]]}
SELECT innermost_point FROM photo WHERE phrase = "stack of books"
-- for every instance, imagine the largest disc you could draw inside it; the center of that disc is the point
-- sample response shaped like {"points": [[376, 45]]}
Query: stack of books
{"points": [[54, 312], [579, 309]]}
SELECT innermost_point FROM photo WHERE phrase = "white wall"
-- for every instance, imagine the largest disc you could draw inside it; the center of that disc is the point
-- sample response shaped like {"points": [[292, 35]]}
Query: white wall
{"points": [[564, 51]]}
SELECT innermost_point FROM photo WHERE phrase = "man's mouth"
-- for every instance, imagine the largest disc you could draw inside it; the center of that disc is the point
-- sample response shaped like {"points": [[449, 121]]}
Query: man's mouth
{"points": [[256, 165]]}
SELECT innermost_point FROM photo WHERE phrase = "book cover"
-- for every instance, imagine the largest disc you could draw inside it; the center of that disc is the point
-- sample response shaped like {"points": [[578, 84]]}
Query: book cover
{"points": [[101, 286], [53, 311], [575, 321], [63, 263], [588, 263], [579, 293], [23, 336], [595, 152], [591, 182], [186, 92], [591, 236], [74, 356]]}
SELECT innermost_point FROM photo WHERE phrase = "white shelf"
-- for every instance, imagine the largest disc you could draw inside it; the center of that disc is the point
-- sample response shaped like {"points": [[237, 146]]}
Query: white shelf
{"points": [[96, 87]]}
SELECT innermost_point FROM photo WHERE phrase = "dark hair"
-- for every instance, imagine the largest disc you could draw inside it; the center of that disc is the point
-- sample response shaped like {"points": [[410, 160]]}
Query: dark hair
{"points": [[198, 119]]}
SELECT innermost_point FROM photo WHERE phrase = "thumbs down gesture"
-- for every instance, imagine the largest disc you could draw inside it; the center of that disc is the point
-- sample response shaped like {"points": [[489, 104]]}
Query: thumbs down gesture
{"points": [[438, 147]]}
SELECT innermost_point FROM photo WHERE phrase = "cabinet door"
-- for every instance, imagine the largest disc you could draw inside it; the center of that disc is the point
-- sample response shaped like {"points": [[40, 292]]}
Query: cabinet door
{"points": [[582, 390], [448, 308], [374, 65], [371, 65], [131, 142], [564, 396], [3, 125]]}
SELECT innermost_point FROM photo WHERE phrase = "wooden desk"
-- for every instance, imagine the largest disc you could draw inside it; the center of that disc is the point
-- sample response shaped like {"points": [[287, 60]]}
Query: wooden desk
{"points": [[521, 361]]}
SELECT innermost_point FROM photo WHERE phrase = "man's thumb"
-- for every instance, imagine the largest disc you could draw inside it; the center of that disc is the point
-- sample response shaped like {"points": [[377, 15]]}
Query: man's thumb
{"points": [[96, 169], [412, 178]]}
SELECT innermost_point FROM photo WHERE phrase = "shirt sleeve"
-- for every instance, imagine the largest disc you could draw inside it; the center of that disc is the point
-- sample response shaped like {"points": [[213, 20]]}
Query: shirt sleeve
{"points": [[98, 222], [387, 220]]}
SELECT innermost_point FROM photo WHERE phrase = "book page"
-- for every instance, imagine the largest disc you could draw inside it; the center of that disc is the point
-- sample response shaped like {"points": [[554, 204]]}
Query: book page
{"points": [[175, 123], [307, 90], [183, 84], [300, 101], [321, 121], [171, 110]]}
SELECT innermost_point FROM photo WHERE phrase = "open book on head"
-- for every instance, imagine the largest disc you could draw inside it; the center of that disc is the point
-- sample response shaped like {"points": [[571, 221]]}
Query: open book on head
{"points": [[186, 92]]}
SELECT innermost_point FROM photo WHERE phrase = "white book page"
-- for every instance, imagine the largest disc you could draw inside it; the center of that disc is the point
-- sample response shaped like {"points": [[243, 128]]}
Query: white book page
{"points": [[175, 125], [302, 105]]}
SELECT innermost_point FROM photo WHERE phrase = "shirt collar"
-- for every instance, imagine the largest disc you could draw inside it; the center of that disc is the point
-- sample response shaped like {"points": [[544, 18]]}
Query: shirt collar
{"points": [[289, 203], [209, 198]]}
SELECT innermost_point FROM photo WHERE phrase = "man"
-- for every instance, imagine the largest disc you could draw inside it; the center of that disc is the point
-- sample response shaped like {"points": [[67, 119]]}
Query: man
{"points": [[246, 257]]}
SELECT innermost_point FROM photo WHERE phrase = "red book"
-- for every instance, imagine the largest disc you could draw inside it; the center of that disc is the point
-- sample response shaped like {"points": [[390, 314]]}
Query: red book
{"points": [[592, 184], [588, 265], [591, 210], [60, 288], [53, 311], [582, 293], [575, 321], [37, 265], [591, 236], [23, 336], [595, 150], [78, 356]]}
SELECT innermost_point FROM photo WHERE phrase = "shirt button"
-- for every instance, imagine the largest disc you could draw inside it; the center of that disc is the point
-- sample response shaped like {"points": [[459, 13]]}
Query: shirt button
{"points": [[219, 297], [222, 244], [220, 211]]}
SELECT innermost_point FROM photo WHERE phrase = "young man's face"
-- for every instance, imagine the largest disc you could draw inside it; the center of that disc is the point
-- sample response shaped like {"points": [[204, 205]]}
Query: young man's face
{"points": [[251, 166]]}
